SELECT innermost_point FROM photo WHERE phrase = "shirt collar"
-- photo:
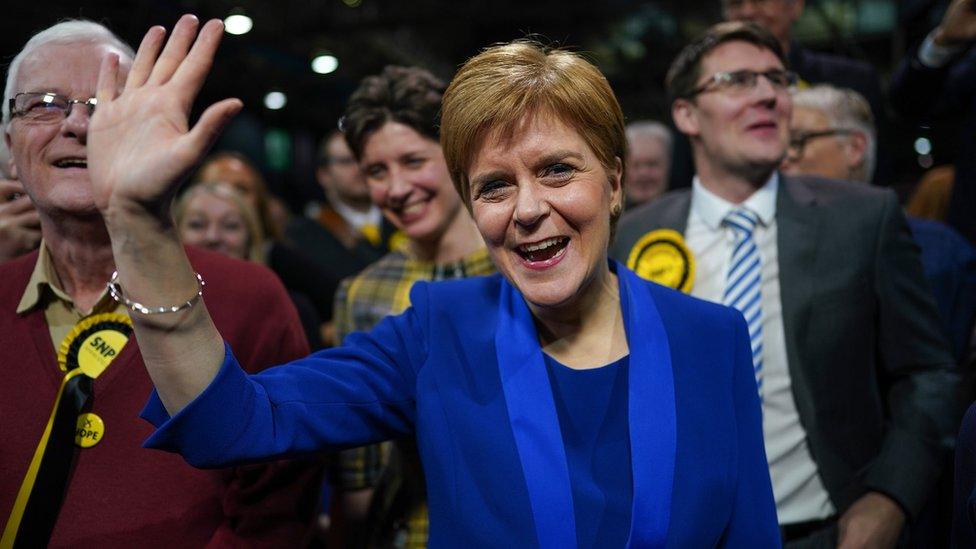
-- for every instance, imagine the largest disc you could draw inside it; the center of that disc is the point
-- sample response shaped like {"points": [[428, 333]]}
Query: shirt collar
{"points": [[45, 285], [42, 279], [712, 209], [355, 218]]}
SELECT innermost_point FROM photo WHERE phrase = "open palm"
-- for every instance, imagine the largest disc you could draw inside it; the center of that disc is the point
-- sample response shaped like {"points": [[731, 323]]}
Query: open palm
{"points": [[140, 143]]}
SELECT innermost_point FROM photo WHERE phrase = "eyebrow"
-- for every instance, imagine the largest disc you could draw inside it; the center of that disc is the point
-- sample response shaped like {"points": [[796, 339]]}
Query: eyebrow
{"points": [[547, 159]]}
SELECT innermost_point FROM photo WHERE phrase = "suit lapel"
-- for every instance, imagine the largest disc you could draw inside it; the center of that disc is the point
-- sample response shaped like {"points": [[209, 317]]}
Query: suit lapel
{"points": [[798, 229], [675, 214]]}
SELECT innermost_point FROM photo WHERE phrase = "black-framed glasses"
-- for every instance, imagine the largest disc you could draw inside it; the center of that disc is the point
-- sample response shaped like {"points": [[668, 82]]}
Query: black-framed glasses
{"points": [[744, 81], [46, 107], [799, 140]]}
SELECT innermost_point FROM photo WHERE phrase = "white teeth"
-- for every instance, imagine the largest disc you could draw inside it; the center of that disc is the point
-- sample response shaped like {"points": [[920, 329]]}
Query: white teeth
{"points": [[541, 245], [413, 208]]}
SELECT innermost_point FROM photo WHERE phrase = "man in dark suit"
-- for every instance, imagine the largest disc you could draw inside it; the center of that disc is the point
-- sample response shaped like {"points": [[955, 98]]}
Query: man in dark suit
{"points": [[849, 360]]}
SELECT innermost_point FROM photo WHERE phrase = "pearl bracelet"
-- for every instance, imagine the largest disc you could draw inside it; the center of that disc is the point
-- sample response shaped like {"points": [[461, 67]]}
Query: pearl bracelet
{"points": [[115, 290]]}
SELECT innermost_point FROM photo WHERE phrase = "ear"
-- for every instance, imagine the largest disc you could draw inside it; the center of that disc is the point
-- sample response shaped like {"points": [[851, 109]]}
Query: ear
{"points": [[11, 167], [616, 184], [856, 150], [323, 176], [685, 116]]}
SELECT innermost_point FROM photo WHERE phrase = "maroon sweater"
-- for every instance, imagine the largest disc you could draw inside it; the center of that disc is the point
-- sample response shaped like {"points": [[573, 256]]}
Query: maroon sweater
{"points": [[120, 494]]}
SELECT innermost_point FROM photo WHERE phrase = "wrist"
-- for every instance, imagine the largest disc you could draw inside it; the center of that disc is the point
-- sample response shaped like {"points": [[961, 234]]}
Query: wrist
{"points": [[126, 215]]}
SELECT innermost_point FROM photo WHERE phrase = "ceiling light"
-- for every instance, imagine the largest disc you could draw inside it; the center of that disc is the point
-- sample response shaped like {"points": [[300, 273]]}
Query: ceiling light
{"points": [[324, 64], [238, 24], [275, 100]]}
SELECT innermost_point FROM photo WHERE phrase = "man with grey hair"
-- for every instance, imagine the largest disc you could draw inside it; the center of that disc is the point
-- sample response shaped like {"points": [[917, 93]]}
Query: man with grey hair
{"points": [[72, 470], [648, 161], [832, 135]]}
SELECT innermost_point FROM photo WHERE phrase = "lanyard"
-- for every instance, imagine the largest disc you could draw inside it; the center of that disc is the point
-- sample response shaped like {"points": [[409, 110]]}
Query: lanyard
{"points": [[85, 353]]}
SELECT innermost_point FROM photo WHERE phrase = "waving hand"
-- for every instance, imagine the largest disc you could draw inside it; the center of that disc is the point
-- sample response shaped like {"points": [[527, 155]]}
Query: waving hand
{"points": [[140, 143]]}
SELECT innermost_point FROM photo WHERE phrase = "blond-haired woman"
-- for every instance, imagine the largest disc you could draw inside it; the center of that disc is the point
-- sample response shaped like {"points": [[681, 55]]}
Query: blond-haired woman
{"points": [[562, 403]]}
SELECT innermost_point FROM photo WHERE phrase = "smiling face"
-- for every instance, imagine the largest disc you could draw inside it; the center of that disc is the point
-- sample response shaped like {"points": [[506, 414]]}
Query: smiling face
{"points": [[648, 162], [215, 223], [542, 201], [51, 158], [409, 181], [743, 133]]}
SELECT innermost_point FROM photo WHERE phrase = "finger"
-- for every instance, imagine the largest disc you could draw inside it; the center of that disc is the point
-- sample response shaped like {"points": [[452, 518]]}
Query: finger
{"points": [[108, 76], [175, 51], [10, 186], [142, 66], [17, 206], [28, 221], [194, 69], [211, 124]]}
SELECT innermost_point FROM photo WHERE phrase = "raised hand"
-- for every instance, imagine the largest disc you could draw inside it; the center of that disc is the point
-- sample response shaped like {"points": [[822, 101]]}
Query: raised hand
{"points": [[140, 143], [20, 227], [958, 25]]}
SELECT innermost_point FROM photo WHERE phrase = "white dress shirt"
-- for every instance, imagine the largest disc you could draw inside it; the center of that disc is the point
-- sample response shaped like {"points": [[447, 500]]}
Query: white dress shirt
{"points": [[797, 487]]}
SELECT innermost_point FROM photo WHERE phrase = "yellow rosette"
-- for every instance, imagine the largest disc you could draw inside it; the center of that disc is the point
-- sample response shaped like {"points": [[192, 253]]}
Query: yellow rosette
{"points": [[662, 256]]}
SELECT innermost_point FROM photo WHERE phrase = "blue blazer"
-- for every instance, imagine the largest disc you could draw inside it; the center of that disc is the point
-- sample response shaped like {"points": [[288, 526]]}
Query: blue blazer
{"points": [[462, 371]]}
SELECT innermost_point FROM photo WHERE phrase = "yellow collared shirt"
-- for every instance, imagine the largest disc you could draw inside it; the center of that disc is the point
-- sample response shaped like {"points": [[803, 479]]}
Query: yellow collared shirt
{"points": [[44, 290]]}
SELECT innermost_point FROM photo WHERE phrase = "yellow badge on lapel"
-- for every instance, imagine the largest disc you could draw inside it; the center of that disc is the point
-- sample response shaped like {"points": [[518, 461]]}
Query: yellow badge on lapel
{"points": [[662, 256], [94, 343]]}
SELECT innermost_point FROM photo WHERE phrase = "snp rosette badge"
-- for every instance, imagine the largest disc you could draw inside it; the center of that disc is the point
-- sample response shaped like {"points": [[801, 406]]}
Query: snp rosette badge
{"points": [[662, 256]]}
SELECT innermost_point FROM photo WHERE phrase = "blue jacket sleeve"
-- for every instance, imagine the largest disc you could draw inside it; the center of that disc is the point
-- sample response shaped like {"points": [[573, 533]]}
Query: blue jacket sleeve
{"points": [[347, 396], [753, 522]]}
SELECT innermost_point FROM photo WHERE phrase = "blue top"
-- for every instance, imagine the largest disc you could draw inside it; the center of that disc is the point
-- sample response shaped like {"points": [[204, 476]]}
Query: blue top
{"points": [[462, 371], [592, 410]]}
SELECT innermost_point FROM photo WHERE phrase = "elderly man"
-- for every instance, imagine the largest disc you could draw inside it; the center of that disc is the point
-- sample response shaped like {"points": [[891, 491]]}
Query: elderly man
{"points": [[833, 136], [648, 161], [72, 470], [849, 360]]}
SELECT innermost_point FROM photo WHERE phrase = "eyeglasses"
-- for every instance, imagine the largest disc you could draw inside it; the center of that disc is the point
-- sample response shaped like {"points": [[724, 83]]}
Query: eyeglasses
{"points": [[798, 141], [744, 81], [46, 107]]}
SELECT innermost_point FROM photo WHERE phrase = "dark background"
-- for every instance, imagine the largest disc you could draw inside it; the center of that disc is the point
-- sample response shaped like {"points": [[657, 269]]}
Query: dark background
{"points": [[632, 42]]}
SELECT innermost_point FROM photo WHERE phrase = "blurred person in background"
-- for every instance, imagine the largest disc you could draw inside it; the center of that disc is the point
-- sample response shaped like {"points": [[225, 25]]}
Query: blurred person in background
{"points": [[649, 146], [930, 198], [832, 135], [391, 124], [935, 84], [75, 474], [20, 227], [855, 375], [347, 232], [295, 267], [216, 216]]}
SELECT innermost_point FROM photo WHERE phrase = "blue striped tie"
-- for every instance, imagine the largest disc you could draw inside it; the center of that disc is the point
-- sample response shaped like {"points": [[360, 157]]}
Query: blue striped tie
{"points": [[744, 280]]}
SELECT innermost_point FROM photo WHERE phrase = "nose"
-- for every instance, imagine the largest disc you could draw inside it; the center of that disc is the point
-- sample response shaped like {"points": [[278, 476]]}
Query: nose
{"points": [[531, 206], [398, 188], [766, 93], [211, 236], [76, 123]]}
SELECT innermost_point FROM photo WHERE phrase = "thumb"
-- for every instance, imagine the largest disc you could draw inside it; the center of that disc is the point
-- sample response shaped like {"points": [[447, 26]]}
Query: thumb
{"points": [[212, 122]]}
